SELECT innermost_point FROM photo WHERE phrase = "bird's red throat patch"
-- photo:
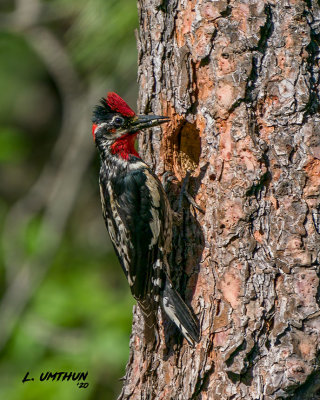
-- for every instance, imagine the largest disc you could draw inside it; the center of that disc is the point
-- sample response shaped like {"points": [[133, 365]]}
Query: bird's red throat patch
{"points": [[124, 146]]}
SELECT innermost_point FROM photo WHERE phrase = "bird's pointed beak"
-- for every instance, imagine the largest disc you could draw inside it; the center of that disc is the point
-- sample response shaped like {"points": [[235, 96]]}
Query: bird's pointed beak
{"points": [[148, 121]]}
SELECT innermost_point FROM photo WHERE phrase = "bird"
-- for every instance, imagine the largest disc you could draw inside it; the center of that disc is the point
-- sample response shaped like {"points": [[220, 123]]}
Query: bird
{"points": [[138, 215]]}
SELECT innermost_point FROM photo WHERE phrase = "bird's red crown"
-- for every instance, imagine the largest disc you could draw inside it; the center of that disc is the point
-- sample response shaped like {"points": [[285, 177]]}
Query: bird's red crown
{"points": [[117, 104]]}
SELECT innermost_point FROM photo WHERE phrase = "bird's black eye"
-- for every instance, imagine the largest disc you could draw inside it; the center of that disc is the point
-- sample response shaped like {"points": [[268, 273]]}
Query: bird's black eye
{"points": [[118, 121]]}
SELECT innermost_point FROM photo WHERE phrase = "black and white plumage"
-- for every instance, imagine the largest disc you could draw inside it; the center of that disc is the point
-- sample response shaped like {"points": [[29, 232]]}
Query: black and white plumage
{"points": [[138, 215]]}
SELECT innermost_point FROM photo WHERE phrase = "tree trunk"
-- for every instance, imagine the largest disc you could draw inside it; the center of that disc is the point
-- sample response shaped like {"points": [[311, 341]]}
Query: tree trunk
{"points": [[240, 80]]}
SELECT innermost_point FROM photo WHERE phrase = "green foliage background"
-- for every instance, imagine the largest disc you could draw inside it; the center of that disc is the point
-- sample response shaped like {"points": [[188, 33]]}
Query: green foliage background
{"points": [[78, 315]]}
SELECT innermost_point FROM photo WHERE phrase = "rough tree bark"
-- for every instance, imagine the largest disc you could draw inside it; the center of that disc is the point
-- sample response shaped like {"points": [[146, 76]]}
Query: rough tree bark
{"points": [[240, 80]]}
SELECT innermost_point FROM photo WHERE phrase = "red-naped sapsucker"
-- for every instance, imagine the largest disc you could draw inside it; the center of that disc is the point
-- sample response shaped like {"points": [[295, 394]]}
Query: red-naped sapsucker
{"points": [[137, 214]]}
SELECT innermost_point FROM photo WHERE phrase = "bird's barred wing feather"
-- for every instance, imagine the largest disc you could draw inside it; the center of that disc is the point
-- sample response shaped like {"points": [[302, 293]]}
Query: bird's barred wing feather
{"points": [[135, 228]]}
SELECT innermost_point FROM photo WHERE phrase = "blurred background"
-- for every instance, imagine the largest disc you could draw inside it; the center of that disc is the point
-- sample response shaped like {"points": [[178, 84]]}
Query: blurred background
{"points": [[65, 304]]}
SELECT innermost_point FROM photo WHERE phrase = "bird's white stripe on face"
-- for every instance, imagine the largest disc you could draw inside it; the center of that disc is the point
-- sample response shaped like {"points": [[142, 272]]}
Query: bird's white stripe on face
{"points": [[101, 125], [116, 134]]}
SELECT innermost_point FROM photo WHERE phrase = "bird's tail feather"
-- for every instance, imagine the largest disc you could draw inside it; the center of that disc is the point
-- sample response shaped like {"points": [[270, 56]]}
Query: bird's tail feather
{"points": [[150, 324], [179, 313]]}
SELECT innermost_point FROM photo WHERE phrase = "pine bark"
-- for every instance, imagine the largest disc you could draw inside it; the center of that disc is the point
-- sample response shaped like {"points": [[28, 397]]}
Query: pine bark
{"points": [[240, 81]]}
